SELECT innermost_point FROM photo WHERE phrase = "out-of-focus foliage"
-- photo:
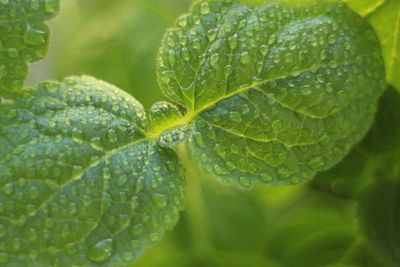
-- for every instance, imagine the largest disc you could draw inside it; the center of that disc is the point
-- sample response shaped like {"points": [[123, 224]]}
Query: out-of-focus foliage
{"points": [[116, 41], [380, 215], [276, 227], [384, 16]]}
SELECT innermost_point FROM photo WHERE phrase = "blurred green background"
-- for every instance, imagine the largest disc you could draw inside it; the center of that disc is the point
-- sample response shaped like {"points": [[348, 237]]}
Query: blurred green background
{"points": [[348, 216]]}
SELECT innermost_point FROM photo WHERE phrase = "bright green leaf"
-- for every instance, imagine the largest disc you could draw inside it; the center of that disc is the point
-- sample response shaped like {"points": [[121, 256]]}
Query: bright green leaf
{"points": [[277, 92], [24, 38], [384, 16], [80, 184]]}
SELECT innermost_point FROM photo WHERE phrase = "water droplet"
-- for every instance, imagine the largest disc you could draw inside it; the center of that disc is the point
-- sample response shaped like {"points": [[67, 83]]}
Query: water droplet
{"points": [[205, 9], [264, 50], [245, 58], [140, 184], [245, 182], [196, 44], [211, 35], [154, 237], [106, 173], [272, 39], [33, 192], [331, 39], [227, 28], [127, 256], [235, 117], [72, 249], [316, 163], [160, 200], [306, 90], [121, 181], [228, 70], [202, 59], [220, 171], [134, 202], [183, 21], [199, 140], [137, 229], [259, 67], [214, 60], [34, 37], [136, 244], [112, 136], [233, 42], [171, 58], [101, 251], [185, 54]]}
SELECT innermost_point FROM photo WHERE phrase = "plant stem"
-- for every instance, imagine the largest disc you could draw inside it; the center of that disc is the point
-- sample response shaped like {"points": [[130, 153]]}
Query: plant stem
{"points": [[196, 209]]}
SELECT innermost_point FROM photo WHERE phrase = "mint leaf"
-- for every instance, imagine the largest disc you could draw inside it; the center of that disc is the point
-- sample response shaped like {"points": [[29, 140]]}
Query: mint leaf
{"points": [[378, 150], [80, 183], [384, 16], [24, 38], [277, 92]]}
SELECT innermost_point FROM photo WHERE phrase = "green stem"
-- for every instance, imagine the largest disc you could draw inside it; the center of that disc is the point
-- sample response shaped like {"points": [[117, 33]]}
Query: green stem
{"points": [[196, 209]]}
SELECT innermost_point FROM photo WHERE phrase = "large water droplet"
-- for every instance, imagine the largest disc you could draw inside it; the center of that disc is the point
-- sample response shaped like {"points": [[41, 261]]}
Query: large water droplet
{"points": [[160, 200], [245, 58], [233, 42], [211, 35], [245, 182], [101, 251], [34, 37], [214, 60], [205, 8], [264, 50]]}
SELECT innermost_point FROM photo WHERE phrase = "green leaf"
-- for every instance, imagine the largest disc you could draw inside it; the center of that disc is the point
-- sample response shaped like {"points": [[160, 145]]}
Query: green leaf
{"points": [[379, 150], [80, 184], [384, 16], [277, 92], [24, 38]]}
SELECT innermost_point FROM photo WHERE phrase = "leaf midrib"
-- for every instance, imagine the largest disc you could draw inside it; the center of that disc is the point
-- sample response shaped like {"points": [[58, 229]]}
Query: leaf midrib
{"points": [[153, 134]]}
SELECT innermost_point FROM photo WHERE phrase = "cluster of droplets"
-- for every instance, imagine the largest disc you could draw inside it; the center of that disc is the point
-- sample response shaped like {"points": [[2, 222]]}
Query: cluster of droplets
{"points": [[298, 73], [81, 196], [33, 9], [22, 40]]}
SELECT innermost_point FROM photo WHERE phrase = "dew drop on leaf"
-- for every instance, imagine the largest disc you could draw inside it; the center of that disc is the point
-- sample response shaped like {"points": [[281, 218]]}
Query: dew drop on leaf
{"points": [[101, 251]]}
